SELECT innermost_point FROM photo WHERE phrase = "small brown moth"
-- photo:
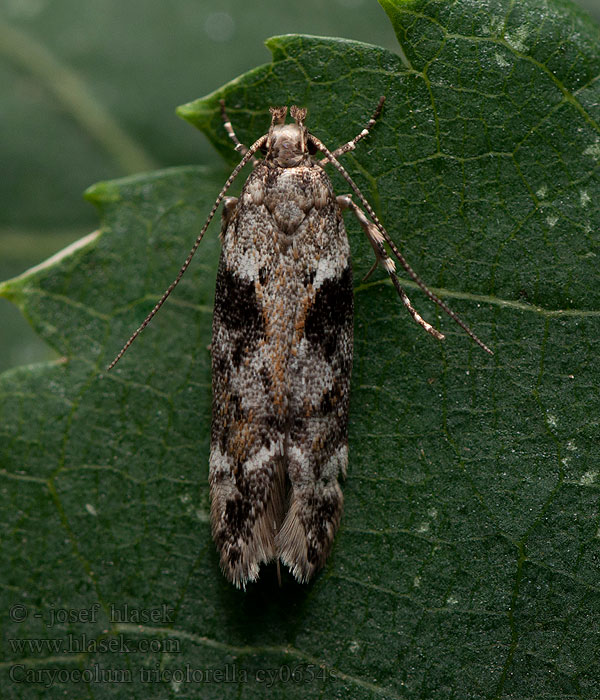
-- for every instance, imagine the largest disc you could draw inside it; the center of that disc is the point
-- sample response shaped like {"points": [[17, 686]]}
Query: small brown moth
{"points": [[282, 349]]}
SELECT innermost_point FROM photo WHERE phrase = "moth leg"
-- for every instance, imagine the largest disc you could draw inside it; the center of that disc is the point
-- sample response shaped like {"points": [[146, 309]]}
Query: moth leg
{"points": [[376, 240], [239, 147], [351, 145]]}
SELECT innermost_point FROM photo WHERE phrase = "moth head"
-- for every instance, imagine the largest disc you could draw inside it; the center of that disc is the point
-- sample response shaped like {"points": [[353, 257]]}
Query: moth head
{"points": [[287, 143]]}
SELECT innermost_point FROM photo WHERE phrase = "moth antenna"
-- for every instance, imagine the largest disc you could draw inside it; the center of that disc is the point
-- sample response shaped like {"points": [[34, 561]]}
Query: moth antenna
{"points": [[389, 240], [251, 151], [351, 145]]}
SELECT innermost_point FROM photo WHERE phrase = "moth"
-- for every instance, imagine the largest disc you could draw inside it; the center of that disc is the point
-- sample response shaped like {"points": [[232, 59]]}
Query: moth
{"points": [[282, 349]]}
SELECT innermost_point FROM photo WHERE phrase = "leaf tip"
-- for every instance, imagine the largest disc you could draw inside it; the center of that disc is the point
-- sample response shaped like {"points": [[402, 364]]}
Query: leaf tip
{"points": [[186, 111], [102, 192], [200, 112], [275, 44]]}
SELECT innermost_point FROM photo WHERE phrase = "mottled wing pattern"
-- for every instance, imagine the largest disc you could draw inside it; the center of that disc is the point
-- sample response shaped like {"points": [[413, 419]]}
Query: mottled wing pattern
{"points": [[282, 358]]}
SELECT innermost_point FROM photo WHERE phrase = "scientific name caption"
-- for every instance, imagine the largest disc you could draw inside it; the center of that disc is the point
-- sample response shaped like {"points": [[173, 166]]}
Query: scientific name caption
{"points": [[297, 674]]}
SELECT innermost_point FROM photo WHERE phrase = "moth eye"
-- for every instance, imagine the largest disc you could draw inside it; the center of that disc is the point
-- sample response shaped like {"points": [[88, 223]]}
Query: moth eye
{"points": [[263, 149], [312, 149]]}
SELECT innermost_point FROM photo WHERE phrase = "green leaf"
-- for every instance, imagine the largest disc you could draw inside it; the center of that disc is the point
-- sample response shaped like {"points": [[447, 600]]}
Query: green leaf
{"points": [[467, 560]]}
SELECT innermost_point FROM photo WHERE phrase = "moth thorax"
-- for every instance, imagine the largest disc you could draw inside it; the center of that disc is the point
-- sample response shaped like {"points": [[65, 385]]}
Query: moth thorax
{"points": [[287, 145]]}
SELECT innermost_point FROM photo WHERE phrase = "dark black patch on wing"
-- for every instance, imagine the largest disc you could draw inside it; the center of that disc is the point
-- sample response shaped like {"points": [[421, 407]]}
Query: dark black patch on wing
{"points": [[236, 306], [331, 312]]}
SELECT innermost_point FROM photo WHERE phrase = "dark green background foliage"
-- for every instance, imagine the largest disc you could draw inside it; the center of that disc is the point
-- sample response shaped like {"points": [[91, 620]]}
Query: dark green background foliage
{"points": [[467, 562]]}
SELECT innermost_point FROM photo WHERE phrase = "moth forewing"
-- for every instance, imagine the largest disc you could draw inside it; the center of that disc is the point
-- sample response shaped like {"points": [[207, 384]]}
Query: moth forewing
{"points": [[282, 350]]}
